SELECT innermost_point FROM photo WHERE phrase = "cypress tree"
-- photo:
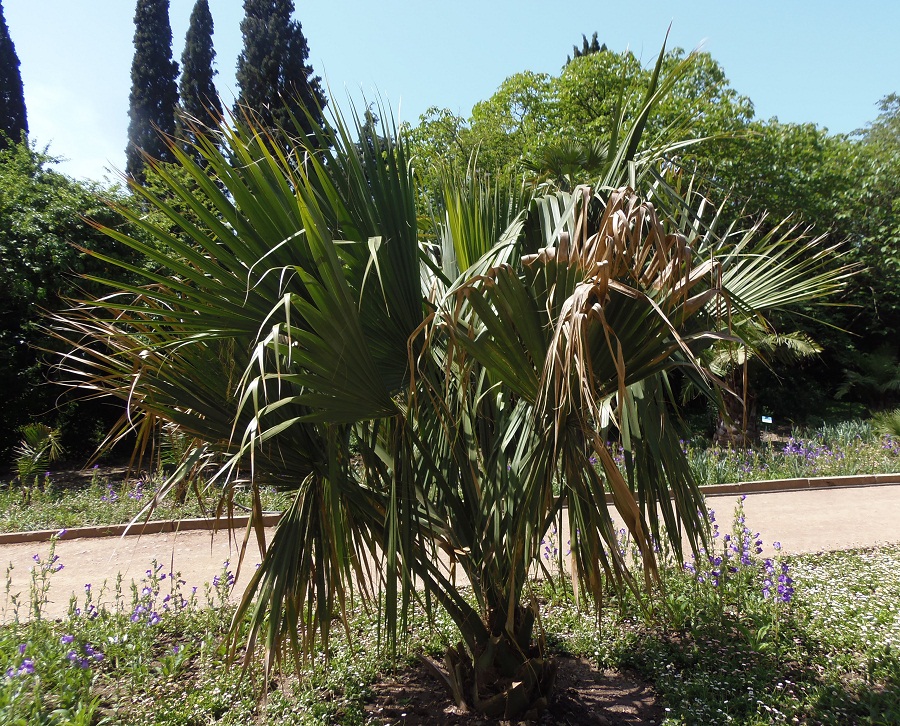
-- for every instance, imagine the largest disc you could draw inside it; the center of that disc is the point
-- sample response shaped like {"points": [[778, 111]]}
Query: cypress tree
{"points": [[587, 48], [199, 99], [13, 118], [273, 76], [154, 93]]}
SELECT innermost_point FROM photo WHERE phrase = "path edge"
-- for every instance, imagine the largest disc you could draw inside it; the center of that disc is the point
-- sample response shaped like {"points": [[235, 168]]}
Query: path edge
{"points": [[270, 520], [156, 526]]}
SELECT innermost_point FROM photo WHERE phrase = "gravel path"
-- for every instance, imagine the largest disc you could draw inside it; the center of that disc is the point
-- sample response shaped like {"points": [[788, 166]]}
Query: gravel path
{"points": [[803, 521]]}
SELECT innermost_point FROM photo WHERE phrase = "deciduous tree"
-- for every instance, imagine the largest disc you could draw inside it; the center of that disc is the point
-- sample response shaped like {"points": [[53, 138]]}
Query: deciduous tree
{"points": [[42, 243]]}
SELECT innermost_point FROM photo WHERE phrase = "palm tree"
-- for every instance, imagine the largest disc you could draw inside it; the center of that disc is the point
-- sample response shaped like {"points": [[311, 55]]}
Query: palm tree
{"points": [[764, 272], [420, 401], [738, 425]]}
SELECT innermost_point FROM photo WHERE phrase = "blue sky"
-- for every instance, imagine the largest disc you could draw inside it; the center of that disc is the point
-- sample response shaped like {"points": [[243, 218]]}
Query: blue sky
{"points": [[821, 61]]}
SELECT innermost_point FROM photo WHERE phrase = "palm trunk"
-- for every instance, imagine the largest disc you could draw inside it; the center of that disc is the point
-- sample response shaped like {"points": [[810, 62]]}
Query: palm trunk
{"points": [[739, 424], [507, 675]]}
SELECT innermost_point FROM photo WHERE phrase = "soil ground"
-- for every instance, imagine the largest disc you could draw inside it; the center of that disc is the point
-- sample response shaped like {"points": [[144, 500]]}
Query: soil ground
{"points": [[584, 695]]}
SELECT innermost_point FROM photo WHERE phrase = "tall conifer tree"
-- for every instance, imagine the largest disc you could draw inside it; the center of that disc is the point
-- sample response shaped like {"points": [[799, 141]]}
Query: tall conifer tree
{"points": [[199, 99], [272, 69], [586, 47], [154, 92], [13, 119]]}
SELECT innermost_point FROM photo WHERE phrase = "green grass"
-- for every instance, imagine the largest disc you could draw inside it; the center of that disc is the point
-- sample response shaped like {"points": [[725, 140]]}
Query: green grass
{"points": [[44, 505], [833, 450], [717, 650]]}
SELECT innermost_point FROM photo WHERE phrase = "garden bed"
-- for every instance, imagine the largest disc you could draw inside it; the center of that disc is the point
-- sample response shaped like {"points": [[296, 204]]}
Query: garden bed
{"points": [[102, 497], [810, 639]]}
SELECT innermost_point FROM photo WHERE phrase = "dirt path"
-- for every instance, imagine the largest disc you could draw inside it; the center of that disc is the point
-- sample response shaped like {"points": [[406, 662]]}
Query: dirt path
{"points": [[197, 556], [803, 521], [820, 519]]}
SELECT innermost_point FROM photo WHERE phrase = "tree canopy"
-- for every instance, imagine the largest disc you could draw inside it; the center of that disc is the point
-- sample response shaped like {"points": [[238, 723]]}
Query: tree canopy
{"points": [[199, 99], [532, 112], [874, 220], [42, 250], [154, 90], [274, 78], [13, 116]]}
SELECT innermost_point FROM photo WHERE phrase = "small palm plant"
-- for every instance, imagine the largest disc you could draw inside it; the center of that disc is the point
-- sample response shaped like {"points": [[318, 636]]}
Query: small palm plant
{"points": [[887, 423], [429, 412], [39, 446]]}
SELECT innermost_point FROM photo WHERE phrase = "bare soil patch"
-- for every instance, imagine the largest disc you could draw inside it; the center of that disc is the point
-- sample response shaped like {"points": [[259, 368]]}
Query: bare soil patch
{"points": [[67, 477], [584, 695]]}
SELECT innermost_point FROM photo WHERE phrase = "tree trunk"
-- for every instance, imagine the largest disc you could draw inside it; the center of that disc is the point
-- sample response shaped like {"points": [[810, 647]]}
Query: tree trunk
{"points": [[507, 677], [739, 426]]}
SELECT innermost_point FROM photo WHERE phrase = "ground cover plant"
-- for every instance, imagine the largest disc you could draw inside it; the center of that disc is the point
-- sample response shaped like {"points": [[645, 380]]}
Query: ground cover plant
{"points": [[155, 653], [57, 500], [759, 639], [736, 636], [844, 449]]}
